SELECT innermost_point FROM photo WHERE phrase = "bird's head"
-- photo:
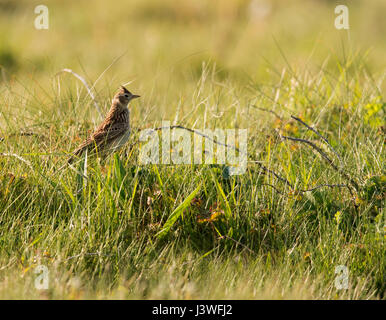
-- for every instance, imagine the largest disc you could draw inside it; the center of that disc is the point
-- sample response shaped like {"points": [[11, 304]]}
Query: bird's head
{"points": [[124, 96]]}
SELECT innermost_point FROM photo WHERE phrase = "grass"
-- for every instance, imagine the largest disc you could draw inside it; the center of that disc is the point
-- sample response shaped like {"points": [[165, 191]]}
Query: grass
{"points": [[189, 231]]}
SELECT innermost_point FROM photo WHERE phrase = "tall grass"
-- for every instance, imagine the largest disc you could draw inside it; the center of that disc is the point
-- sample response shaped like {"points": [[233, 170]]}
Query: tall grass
{"points": [[191, 231]]}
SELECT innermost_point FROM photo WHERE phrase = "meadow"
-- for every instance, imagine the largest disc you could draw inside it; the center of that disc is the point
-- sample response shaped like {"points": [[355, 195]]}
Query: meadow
{"points": [[312, 198]]}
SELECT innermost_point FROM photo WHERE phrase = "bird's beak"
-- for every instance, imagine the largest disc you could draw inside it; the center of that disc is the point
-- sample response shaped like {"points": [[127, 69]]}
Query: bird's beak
{"points": [[134, 96]]}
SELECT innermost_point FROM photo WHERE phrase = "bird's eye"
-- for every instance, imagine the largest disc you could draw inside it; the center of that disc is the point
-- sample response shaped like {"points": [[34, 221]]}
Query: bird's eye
{"points": [[126, 95]]}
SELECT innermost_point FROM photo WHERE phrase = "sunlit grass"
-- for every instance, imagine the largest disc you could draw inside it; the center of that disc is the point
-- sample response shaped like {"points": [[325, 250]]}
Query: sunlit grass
{"points": [[189, 231]]}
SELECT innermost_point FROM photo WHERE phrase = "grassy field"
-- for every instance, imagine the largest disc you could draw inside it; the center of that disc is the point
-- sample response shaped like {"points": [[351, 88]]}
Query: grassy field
{"points": [[133, 231]]}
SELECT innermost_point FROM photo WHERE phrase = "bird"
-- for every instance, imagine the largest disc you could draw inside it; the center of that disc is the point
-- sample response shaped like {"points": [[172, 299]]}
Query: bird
{"points": [[113, 132]]}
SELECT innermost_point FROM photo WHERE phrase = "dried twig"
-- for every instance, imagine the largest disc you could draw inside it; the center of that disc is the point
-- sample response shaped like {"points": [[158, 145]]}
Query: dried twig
{"points": [[265, 169], [273, 187], [87, 254], [329, 186], [17, 157], [317, 133], [188, 129], [23, 134], [197, 132], [268, 110], [181, 127], [312, 189], [325, 157]]}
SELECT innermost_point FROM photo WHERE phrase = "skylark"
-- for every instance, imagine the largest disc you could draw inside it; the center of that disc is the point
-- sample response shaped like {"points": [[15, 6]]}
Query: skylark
{"points": [[114, 131]]}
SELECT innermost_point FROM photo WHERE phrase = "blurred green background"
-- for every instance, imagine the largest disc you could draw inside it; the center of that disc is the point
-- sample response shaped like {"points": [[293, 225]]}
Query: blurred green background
{"points": [[174, 37], [160, 46]]}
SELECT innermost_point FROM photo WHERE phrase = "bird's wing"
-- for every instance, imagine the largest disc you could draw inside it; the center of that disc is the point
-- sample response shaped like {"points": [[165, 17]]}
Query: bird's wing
{"points": [[109, 133], [103, 135]]}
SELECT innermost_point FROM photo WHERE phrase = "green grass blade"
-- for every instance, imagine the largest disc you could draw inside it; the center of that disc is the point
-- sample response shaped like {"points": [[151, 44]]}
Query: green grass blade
{"points": [[177, 213]]}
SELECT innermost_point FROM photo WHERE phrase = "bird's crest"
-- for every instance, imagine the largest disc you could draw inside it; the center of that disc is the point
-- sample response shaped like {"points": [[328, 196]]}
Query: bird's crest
{"points": [[123, 90]]}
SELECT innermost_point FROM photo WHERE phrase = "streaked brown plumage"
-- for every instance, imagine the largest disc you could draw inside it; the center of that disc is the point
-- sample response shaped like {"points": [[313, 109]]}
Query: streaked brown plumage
{"points": [[114, 131]]}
